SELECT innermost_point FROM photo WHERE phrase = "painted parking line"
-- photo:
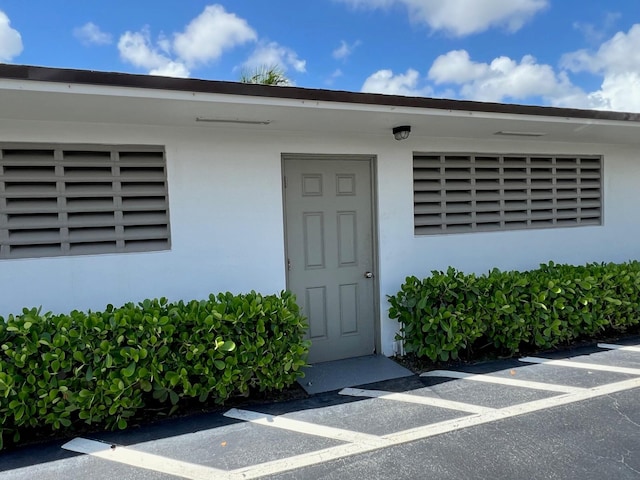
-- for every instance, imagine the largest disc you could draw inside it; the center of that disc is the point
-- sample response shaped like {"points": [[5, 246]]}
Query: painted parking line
{"points": [[355, 442], [420, 433], [586, 366], [147, 461], [308, 428], [423, 432], [300, 461], [408, 398], [510, 382], [626, 348]]}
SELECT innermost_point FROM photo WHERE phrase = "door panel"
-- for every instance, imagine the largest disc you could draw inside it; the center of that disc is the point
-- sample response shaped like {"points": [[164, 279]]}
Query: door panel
{"points": [[329, 229]]}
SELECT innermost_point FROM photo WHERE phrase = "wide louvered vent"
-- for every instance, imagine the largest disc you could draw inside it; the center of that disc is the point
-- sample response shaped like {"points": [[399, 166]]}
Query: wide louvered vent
{"points": [[459, 193], [70, 201]]}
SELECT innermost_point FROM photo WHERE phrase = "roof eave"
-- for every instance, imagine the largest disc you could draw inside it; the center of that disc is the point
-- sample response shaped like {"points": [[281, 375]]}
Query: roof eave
{"points": [[115, 79]]}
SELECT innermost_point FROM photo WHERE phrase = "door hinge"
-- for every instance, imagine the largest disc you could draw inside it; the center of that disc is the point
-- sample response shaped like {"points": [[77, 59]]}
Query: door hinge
{"points": [[285, 181], [288, 264]]}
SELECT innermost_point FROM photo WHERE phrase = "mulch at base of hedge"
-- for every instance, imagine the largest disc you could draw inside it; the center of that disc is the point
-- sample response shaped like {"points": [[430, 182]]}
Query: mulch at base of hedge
{"points": [[420, 365], [157, 414]]}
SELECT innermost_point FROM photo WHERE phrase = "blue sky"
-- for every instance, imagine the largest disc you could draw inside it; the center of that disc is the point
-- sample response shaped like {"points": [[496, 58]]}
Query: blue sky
{"points": [[570, 53]]}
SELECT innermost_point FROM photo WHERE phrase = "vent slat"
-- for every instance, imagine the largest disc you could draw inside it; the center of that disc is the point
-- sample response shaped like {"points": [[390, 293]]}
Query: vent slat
{"points": [[36, 236], [455, 193], [32, 221], [35, 250], [73, 201]]}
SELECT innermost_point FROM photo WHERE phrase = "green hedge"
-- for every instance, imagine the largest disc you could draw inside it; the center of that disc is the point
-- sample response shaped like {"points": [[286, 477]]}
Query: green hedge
{"points": [[103, 367], [451, 314]]}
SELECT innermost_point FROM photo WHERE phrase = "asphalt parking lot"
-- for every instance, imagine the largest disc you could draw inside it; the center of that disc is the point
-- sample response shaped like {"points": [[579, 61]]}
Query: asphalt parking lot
{"points": [[571, 415]]}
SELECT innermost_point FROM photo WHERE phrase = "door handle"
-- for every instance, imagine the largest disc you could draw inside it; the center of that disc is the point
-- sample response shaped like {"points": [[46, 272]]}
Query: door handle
{"points": [[368, 275]]}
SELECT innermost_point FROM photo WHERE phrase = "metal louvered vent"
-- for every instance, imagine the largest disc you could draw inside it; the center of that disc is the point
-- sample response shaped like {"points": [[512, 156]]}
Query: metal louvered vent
{"points": [[460, 193], [67, 200]]}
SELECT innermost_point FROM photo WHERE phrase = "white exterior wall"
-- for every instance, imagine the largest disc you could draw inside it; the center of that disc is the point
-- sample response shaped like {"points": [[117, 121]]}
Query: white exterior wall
{"points": [[225, 195]]}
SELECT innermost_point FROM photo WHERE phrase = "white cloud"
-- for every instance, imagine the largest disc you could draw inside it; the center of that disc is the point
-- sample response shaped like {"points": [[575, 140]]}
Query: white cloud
{"points": [[501, 79], [620, 54], [91, 34], [273, 54], [456, 67], [205, 39], [456, 75], [164, 43], [10, 39], [337, 73], [345, 50], [209, 34], [618, 62], [137, 49], [171, 69], [464, 17], [385, 81], [596, 33], [619, 91]]}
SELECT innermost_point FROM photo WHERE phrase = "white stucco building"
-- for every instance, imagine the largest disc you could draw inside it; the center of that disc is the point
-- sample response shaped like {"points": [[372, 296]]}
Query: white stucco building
{"points": [[117, 187]]}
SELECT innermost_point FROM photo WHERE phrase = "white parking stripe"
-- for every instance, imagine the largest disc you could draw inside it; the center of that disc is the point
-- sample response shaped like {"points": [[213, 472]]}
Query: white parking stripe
{"points": [[626, 348], [511, 382], [586, 366], [306, 427], [512, 411], [404, 397], [144, 460], [357, 443], [419, 433], [300, 461]]}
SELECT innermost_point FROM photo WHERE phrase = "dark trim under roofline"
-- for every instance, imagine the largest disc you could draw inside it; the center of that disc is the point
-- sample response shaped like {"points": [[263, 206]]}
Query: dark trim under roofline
{"points": [[113, 79]]}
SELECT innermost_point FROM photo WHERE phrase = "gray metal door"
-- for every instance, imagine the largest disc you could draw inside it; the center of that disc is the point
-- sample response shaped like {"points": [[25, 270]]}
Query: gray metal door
{"points": [[329, 235]]}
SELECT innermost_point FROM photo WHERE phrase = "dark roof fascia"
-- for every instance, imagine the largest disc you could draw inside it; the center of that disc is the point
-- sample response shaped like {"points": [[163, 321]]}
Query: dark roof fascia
{"points": [[114, 79]]}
